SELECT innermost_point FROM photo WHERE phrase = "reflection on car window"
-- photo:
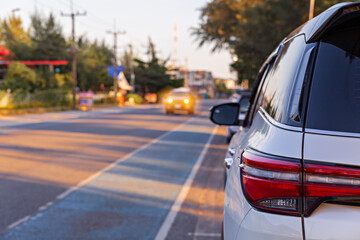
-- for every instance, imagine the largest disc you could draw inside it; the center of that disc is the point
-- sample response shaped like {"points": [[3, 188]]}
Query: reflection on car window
{"points": [[281, 78], [244, 104], [334, 102]]}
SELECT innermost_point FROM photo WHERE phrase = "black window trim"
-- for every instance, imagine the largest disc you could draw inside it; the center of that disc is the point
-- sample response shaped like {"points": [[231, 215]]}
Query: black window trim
{"points": [[311, 49]]}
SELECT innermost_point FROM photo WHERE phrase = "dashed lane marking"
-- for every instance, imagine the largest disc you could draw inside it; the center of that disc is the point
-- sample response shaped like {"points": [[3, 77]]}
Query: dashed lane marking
{"points": [[18, 222], [170, 218], [207, 235], [97, 174]]}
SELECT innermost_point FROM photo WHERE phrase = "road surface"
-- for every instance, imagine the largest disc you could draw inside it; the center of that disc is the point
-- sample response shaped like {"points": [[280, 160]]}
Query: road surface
{"points": [[113, 173]]}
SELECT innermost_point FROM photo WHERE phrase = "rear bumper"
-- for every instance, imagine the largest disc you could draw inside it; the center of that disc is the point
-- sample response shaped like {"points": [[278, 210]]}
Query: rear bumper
{"points": [[179, 106]]}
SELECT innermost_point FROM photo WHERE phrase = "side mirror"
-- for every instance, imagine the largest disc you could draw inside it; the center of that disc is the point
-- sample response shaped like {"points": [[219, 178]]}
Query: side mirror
{"points": [[225, 114]]}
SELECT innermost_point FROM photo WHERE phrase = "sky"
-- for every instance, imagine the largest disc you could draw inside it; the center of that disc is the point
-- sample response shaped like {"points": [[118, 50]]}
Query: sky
{"points": [[140, 19]]}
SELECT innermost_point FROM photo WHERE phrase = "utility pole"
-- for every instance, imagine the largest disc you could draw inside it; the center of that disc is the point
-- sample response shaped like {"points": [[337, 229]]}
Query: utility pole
{"points": [[115, 33], [311, 9], [73, 49], [132, 76], [174, 61], [186, 73]]}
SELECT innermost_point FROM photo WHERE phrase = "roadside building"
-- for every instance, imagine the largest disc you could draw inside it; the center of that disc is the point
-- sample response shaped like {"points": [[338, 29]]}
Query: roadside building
{"points": [[200, 82], [232, 84], [6, 58]]}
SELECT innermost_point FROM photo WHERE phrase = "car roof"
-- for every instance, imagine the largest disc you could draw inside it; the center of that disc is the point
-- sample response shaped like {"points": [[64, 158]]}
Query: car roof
{"points": [[315, 28], [180, 90]]}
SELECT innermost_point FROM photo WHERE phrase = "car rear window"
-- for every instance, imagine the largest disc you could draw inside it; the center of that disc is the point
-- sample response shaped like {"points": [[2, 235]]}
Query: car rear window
{"points": [[334, 102], [179, 94]]}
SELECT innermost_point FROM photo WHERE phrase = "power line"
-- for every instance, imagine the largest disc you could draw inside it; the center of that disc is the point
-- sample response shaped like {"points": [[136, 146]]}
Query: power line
{"points": [[73, 15], [92, 17], [47, 6]]}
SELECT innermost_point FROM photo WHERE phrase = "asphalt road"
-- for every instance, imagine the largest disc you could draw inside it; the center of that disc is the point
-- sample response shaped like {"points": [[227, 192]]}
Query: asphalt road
{"points": [[113, 173]]}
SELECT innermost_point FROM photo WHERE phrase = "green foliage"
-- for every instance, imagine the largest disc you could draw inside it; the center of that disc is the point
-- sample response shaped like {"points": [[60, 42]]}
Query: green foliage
{"points": [[221, 88], [152, 76], [19, 77], [137, 99], [16, 38], [44, 40], [93, 60], [39, 98], [63, 81], [251, 29], [50, 97], [47, 38]]}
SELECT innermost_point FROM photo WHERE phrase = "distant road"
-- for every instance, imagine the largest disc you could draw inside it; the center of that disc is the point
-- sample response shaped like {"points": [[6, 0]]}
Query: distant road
{"points": [[113, 173]]}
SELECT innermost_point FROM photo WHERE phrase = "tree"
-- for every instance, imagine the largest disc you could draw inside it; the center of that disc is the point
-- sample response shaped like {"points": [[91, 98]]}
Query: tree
{"points": [[16, 38], [251, 29], [152, 76], [221, 88], [93, 59], [20, 77], [48, 40]]}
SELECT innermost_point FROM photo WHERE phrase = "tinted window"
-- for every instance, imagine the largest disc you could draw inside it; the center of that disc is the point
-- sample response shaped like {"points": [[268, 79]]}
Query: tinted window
{"points": [[334, 102], [179, 94], [281, 79], [256, 96]]}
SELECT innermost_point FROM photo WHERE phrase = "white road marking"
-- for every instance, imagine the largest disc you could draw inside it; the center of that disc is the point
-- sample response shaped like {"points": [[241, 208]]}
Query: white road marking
{"points": [[99, 173], [170, 218], [42, 208], [205, 234], [18, 222], [67, 192]]}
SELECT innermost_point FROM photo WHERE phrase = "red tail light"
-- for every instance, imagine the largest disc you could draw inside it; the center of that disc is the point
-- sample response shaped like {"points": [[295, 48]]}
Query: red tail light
{"points": [[271, 184], [275, 184], [329, 183]]}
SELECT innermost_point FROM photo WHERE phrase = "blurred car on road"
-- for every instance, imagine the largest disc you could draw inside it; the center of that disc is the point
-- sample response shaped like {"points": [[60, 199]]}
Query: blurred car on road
{"points": [[243, 100], [234, 97], [151, 98], [180, 99], [293, 169]]}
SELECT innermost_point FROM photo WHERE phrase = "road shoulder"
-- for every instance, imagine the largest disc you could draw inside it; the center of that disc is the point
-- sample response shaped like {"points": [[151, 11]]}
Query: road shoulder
{"points": [[200, 216]]}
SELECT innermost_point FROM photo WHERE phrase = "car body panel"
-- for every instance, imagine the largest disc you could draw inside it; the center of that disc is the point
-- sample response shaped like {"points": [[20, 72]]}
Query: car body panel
{"points": [[260, 226], [330, 222], [269, 139], [264, 137], [332, 149]]}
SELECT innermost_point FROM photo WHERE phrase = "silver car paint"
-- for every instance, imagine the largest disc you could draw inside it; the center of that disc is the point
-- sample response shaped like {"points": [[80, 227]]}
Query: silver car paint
{"points": [[267, 138], [260, 226], [330, 221]]}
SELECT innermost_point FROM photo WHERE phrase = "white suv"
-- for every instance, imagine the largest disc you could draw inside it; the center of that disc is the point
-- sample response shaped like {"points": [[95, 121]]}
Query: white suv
{"points": [[295, 172]]}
